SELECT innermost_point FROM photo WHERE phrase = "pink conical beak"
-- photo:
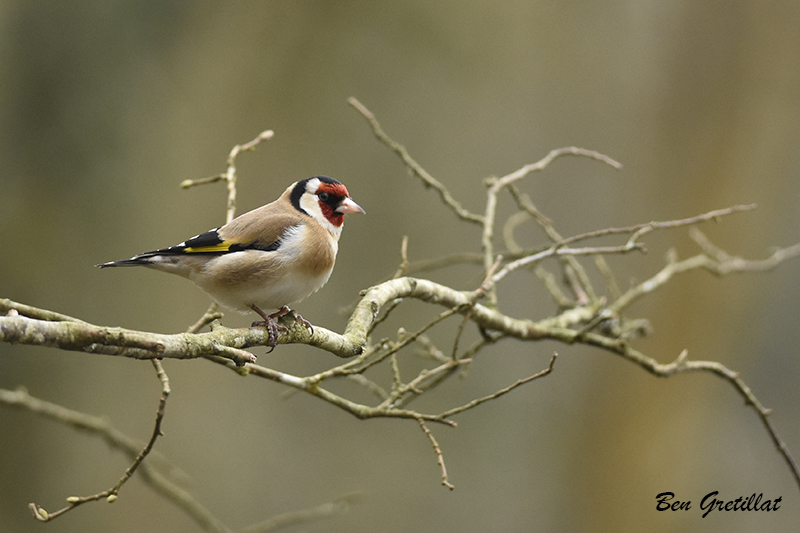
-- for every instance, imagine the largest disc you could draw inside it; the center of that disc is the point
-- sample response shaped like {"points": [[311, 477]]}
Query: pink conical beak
{"points": [[349, 206]]}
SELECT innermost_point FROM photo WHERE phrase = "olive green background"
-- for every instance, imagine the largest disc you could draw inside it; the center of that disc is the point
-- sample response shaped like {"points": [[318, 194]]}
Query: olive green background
{"points": [[105, 107]]}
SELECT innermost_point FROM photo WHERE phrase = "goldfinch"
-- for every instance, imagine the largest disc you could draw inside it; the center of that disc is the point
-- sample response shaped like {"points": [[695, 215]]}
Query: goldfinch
{"points": [[268, 258]]}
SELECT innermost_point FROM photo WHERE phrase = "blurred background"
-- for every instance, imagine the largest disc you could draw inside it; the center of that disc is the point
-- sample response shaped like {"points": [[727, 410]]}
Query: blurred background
{"points": [[105, 107]]}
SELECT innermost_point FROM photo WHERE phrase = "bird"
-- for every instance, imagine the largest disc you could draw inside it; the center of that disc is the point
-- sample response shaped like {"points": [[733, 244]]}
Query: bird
{"points": [[267, 258]]}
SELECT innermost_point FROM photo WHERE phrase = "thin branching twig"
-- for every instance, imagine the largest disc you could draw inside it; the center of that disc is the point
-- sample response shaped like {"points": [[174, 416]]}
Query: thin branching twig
{"points": [[110, 495]]}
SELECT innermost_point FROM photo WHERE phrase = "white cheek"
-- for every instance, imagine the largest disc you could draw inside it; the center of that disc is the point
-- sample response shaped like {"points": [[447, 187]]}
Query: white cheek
{"points": [[310, 204]]}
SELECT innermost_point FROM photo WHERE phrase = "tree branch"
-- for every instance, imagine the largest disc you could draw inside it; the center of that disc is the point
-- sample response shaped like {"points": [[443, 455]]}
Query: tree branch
{"points": [[584, 317]]}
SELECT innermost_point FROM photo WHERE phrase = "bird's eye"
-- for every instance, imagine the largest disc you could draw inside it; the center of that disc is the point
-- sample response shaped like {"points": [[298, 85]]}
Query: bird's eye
{"points": [[323, 196]]}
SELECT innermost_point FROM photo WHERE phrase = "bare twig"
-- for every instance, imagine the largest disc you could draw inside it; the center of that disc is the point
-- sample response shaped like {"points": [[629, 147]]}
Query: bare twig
{"points": [[574, 272], [682, 364], [639, 230], [724, 263], [721, 264], [558, 250], [498, 184], [402, 270], [116, 439], [413, 166], [438, 451], [210, 316], [110, 495], [230, 174], [501, 392], [11, 308]]}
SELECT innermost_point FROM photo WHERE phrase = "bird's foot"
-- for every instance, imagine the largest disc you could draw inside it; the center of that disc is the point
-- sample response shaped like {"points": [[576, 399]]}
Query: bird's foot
{"points": [[270, 323], [303, 322]]}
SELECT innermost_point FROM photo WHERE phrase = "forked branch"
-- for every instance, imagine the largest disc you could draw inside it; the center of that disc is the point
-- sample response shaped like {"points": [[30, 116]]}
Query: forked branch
{"points": [[585, 316]]}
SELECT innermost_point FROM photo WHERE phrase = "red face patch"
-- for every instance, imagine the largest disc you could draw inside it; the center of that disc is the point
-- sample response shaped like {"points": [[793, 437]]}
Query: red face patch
{"points": [[333, 217], [335, 192], [334, 189]]}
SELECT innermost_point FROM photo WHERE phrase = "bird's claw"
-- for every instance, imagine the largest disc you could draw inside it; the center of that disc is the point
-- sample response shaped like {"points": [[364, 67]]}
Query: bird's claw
{"points": [[303, 322], [272, 328], [270, 323]]}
